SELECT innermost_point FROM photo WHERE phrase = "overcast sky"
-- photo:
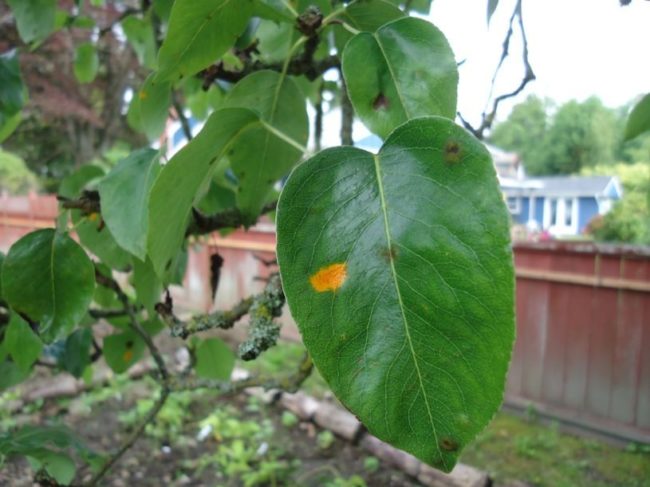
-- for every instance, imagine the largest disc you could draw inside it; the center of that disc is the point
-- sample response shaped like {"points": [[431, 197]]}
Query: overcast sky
{"points": [[578, 48]]}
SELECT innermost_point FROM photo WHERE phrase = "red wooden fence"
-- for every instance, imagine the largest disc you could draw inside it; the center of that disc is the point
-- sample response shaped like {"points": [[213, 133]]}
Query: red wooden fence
{"points": [[583, 317]]}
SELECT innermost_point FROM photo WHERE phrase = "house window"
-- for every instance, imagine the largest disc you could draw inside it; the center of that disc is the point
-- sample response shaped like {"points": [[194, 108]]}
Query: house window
{"points": [[568, 212], [553, 210], [514, 205]]}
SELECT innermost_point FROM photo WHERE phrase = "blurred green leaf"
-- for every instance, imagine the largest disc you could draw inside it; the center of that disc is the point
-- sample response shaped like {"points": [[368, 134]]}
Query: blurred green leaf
{"points": [[124, 194], [35, 19], [86, 62], [48, 277], [22, 343], [639, 120], [214, 359], [199, 33]]}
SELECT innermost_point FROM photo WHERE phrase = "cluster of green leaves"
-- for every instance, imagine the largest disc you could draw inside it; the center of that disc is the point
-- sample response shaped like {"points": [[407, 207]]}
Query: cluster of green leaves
{"points": [[396, 266], [574, 136], [629, 219]]}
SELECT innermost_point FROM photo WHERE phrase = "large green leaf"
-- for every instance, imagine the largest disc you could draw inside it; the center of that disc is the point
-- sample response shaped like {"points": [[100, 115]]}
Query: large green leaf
{"points": [[258, 157], [200, 32], [403, 71], [124, 194], [34, 18], [48, 277], [639, 119], [22, 343], [179, 184], [398, 270]]}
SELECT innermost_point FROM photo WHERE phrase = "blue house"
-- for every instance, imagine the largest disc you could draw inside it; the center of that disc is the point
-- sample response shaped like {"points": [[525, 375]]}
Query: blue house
{"points": [[562, 205]]}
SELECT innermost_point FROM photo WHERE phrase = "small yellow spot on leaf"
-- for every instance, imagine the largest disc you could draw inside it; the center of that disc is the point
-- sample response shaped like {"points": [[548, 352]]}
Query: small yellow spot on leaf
{"points": [[93, 217], [128, 355], [329, 278], [142, 95]]}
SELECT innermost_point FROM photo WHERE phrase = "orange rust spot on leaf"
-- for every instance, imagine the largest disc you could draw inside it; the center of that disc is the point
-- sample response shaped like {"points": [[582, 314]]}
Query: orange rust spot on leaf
{"points": [[329, 278], [128, 355], [142, 95]]}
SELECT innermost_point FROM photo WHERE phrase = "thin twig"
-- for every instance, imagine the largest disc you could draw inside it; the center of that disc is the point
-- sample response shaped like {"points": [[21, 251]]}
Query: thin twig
{"points": [[106, 313], [529, 75], [128, 12], [164, 379], [88, 202], [347, 114], [318, 119], [132, 438], [185, 123]]}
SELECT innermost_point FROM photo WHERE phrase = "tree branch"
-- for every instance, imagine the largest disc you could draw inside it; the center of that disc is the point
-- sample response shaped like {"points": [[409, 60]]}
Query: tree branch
{"points": [[488, 118], [163, 380], [230, 218], [219, 319], [185, 123], [88, 203], [347, 114]]}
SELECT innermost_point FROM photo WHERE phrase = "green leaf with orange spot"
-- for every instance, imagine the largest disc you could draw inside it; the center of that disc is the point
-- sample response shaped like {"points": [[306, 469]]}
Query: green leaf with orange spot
{"points": [[404, 70], [398, 270], [122, 350]]}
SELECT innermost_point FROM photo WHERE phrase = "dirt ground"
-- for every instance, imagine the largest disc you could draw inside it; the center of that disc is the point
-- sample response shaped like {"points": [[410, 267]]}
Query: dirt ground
{"points": [[170, 454]]}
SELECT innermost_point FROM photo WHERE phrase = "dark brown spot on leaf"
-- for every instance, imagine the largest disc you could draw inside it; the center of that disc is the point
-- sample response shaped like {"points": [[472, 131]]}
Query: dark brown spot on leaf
{"points": [[389, 253], [452, 151], [448, 444], [380, 102]]}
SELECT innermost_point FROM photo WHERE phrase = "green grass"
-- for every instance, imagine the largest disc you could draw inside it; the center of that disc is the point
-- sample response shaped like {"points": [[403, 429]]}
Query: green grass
{"points": [[512, 448]]}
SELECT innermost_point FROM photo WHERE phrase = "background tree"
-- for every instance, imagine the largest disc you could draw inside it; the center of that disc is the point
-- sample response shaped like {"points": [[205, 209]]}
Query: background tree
{"points": [[564, 140], [77, 80]]}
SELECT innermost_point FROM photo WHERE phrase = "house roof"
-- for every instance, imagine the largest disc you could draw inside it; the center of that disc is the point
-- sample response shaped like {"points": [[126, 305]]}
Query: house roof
{"points": [[607, 186]]}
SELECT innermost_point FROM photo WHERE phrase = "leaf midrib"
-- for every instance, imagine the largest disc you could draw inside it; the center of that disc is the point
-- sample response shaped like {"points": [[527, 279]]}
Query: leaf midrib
{"points": [[391, 260], [393, 77]]}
